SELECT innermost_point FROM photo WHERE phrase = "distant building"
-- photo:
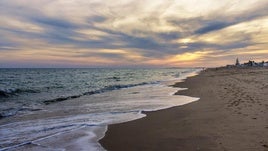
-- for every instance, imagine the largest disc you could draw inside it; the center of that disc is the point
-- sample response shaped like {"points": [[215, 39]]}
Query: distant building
{"points": [[256, 64], [265, 64], [237, 62], [250, 63]]}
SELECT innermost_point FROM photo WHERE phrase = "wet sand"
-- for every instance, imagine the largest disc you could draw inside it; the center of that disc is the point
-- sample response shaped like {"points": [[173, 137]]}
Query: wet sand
{"points": [[231, 115]]}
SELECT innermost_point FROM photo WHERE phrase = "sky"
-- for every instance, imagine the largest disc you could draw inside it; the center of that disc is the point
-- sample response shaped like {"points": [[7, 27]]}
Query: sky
{"points": [[132, 33]]}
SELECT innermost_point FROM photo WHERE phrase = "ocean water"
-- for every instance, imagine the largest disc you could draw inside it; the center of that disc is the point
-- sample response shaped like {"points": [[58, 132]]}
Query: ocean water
{"points": [[39, 107]]}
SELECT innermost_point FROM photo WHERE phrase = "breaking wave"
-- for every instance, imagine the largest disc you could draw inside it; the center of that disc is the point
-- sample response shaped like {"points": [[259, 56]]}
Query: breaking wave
{"points": [[12, 92], [105, 89]]}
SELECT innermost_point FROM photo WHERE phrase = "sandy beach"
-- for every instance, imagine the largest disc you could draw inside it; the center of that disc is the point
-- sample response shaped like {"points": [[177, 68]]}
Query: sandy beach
{"points": [[231, 115]]}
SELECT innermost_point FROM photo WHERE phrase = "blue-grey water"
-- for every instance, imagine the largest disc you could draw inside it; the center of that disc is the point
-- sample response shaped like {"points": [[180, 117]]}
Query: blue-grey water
{"points": [[37, 104]]}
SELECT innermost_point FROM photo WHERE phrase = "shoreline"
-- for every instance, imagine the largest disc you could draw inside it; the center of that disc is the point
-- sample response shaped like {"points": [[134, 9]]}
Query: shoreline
{"points": [[221, 120], [144, 113], [78, 133]]}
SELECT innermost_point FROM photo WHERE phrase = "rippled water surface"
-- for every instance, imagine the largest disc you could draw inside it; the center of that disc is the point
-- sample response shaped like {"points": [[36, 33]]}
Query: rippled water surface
{"points": [[40, 108]]}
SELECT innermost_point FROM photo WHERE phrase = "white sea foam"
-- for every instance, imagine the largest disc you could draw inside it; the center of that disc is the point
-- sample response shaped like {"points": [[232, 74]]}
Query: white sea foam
{"points": [[88, 117]]}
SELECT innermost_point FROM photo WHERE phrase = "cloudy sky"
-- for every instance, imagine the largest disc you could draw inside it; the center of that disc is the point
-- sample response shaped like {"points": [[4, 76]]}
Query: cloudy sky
{"points": [[132, 33]]}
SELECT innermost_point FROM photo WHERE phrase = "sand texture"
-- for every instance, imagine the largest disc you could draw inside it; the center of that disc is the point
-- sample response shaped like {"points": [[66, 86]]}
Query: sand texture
{"points": [[231, 115]]}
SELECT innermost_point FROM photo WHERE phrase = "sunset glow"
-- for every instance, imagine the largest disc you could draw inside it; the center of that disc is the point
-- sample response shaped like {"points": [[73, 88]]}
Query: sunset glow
{"points": [[127, 33]]}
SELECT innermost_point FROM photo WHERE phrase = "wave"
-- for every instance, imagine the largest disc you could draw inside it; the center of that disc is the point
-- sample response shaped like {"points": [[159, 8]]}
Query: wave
{"points": [[105, 89], [114, 78], [8, 112], [11, 92], [13, 111]]}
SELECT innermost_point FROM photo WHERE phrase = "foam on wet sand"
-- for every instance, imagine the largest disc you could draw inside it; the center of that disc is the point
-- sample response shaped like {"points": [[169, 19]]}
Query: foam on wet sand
{"points": [[230, 115]]}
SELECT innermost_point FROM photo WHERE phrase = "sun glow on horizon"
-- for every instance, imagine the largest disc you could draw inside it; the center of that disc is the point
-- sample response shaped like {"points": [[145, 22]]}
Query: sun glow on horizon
{"points": [[127, 33]]}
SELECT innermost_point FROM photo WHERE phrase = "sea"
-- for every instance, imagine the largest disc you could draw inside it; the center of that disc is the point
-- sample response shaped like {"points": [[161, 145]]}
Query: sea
{"points": [[70, 109]]}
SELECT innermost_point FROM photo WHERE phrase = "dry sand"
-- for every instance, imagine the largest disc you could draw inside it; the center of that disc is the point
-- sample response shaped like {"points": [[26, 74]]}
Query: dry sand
{"points": [[231, 115]]}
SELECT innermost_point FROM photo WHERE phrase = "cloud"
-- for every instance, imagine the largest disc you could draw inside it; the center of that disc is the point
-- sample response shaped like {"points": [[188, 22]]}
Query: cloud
{"points": [[53, 22], [147, 32], [212, 27], [218, 22]]}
